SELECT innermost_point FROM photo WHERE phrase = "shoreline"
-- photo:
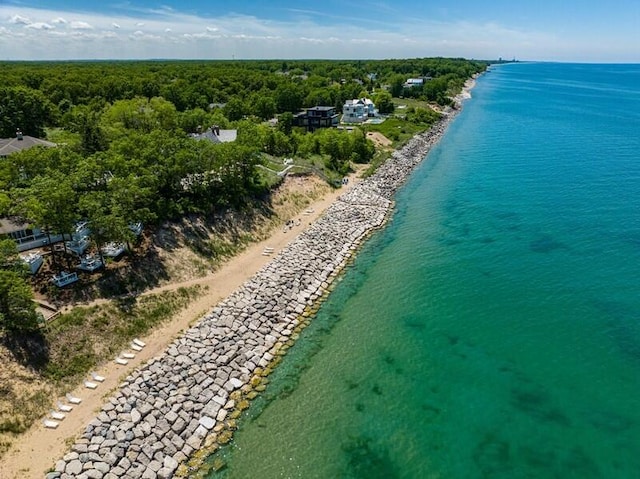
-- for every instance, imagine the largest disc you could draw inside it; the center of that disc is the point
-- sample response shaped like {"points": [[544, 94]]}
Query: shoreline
{"points": [[186, 396]]}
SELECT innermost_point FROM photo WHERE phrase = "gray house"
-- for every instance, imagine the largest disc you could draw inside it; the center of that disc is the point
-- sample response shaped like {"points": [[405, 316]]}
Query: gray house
{"points": [[217, 135], [20, 142]]}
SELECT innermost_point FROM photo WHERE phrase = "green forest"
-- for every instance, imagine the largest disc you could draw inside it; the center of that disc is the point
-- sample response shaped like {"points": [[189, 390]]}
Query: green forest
{"points": [[124, 133]]}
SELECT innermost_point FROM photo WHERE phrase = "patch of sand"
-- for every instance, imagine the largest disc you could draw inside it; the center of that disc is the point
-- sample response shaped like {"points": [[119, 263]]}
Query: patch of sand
{"points": [[379, 140], [37, 450]]}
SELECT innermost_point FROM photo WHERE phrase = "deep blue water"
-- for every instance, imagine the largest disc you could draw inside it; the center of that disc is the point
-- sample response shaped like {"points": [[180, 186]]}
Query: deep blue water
{"points": [[492, 329]]}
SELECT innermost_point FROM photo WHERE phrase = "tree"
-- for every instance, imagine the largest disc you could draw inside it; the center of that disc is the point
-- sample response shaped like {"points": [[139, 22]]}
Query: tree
{"points": [[25, 109], [193, 120], [17, 309], [384, 102], [234, 109], [139, 114], [397, 86], [289, 97], [264, 107], [363, 149], [86, 121], [338, 145], [423, 115], [50, 202], [285, 123]]}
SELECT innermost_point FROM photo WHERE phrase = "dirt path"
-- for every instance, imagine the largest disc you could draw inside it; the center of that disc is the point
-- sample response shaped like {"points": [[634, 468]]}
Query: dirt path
{"points": [[39, 448]]}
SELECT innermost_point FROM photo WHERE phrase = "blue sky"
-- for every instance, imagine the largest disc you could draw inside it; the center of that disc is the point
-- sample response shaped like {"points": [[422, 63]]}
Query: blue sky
{"points": [[549, 30]]}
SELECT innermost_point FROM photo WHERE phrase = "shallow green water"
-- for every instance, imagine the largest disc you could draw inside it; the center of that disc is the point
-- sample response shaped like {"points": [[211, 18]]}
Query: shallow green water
{"points": [[492, 330]]}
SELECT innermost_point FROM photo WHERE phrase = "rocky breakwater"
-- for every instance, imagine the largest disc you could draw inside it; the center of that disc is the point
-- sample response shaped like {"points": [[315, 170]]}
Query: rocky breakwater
{"points": [[189, 396]]}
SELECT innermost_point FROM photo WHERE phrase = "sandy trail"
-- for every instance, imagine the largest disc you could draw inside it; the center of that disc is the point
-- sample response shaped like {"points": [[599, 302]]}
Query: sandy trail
{"points": [[37, 450]]}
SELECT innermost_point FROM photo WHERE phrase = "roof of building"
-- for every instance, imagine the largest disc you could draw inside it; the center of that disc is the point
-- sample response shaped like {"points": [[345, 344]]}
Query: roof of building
{"points": [[11, 225], [222, 136], [11, 145], [360, 101], [322, 108]]}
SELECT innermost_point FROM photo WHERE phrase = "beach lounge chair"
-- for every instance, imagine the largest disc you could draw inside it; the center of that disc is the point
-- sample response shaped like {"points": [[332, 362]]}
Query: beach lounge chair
{"points": [[135, 347], [97, 377], [49, 424], [122, 361], [128, 355], [139, 343], [57, 415], [64, 407], [73, 399], [90, 385]]}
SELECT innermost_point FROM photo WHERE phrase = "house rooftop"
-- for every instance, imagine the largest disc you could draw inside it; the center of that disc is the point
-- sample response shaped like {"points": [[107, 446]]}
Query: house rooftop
{"points": [[322, 108], [24, 142], [218, 135], [11, 225]]}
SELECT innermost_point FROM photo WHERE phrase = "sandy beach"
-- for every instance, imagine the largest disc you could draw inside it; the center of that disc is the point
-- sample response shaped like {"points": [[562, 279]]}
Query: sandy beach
{"points": [[38, 449]]}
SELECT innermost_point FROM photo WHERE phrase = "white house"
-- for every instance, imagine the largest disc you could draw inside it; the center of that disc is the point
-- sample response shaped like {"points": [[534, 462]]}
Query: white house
{"points": [[358, 110], [412, 82]]}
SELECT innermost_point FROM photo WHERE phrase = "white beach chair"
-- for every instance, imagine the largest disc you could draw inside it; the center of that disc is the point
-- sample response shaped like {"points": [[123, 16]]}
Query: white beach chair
{"points": [[90, 385], [73, 399], [128, 355], [137, 342], [97, 377], [135, 347], [64, 407], [57, 415], [121, 361], [49, 424]]}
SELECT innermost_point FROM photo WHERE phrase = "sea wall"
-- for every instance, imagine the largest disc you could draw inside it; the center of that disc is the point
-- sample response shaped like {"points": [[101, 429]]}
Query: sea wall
{"points": [[187, 396]]}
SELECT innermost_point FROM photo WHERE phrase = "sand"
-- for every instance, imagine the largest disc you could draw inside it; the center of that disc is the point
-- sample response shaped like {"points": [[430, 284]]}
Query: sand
{"points": [[36, 451]]}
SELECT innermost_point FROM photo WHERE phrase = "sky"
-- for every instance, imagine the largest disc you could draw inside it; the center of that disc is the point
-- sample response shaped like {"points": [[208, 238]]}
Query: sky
{"points": [[537, 30]]}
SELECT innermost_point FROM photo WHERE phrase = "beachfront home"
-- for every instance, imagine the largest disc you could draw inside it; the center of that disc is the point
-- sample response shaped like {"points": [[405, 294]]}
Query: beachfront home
{"points": [[317, 117], [29, 237], [358, 110], [413, 82], [25, 235], [20, 142]]}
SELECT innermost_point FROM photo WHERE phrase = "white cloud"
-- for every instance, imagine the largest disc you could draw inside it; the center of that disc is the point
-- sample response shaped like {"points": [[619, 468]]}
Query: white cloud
{"points": [[142, 36], [40, 26], [19, 20], [60, 34], [78, 25]]}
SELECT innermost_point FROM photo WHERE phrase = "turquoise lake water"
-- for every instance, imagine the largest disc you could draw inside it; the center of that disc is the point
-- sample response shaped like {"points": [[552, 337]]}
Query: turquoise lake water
{"points": [[492, 329]]}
